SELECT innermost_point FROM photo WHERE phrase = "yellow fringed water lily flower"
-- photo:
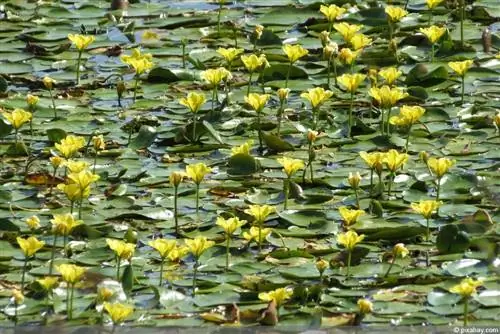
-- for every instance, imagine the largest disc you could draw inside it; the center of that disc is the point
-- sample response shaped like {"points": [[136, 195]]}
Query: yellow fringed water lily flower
{"points": [[350, 216], [460, 67], [17, 296], [394, 160], [141, 65], [75, 166], [149, 35], [347, 30], [440, 166], [395, 14], [433, 3], [467, 287], [230, 225], [122, 249], [433, 33], [56, 161], [399, 250], [283, 94], [390, 75], [260, 212], [294, 52], [290, 165], [216, 76], [354, 179], [18, 117], [198, 245], [33, 222], [63, 224], [425, 208], [332, 12], [98, 142], [386, 96], [32, 100], [253, 234], [81, 42], [136, 54], [48, 82], [83, 179], [259, 29], [347, 56], [351, 81], [48, 283], [279, 296], [70, 145], [316, 96], [178, 253], [359, 41], [408, 115], [229, 54], [73, 191], [197, 172], [175, 178], [257, 101], [365, 306], [350, 239], [71, 273], [374, 160], [163, 246], [321, 265], [118, 312], [194, 101], [243, 148], [253, 63], [30, 245]]}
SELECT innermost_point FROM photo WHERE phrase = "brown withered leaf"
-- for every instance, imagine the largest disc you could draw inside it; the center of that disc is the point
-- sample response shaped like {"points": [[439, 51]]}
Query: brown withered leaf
{"points": [[42, 179]]}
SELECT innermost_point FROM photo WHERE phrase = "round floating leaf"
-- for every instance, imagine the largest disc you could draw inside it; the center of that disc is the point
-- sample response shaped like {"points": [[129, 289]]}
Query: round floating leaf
{"points": [[451, 240], [242, 164]]}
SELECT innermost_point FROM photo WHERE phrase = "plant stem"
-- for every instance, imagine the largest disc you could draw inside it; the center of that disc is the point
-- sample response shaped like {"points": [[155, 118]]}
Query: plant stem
{"points": [[51, 266], [183, 54], [80, 205], [228, 239], [390, 266], [357, 198], [249, 83], [24, 273], [135, 87], [280, 113], [218, 19], [118, 263], [382, 121], [334, 71], [350, 116], [407, 139], [427, 233], [195, 268], [391, 179], [53, 103], [315, 117], [311, 172], [261, 147], [462, 17], [78, 67], [95, 162], [288, 74], [176, 219], [260, 236], [161, 270], [432, 53], [371, 183], [390, 30], [328, 72], [387, 121], [65, 241], [286, 186], [466, 311], [197, 203], [463, 88], [71, 301], [349, 255], [194, 126]]}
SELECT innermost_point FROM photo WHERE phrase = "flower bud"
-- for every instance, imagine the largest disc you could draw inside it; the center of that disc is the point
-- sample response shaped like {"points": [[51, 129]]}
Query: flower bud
{"points": [[354, 180], [120, 88], [56, 161], [330, 50], [176, 178], [259, 29], [373, 76], [48, 82], [33, 222], [321, 265], [98, 142], [365, 306], [324, 37], [283, 94], [312, 135], [32, 100], [400, 250], [424, 156]]}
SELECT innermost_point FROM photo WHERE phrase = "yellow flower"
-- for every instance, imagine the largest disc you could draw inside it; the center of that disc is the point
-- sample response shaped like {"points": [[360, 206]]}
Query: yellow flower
{"points": [[48, 82], [216, 76], [104, 294], [83, 179], [347, 56], [359, 41], [395, 13], [496, 120], [17, 118], [374, 160], [177, 253], [324, 37], [149, 35], [163, 246], [71, 273], [433, 33], [386, 96], [122, 249], [230, 225], [75, 166], [194, 101], [321, 265], [63, 224], [141, 65], [347, 30], [98, 142], [467, 287], [461, 67], [17, 296], [175, 178], [349, 216], [242, 149], [365, 306], [56, 161], [354, 180], [30, 245], [198, 245], [257, 101], [390, 75], [394, 160], [136, 54], [330, 50], [32, 100], [253, 234], [408, 115], [70, 145], [118, 312], [283, 94], [425, 208], [33, 222], [312, 135], [229, 54], [81, 42], [48, 283], [259, 29], [294, 52], [331, 12], [400, 250], [260, 212], [317, 96], [253, 63], [433, 3], [440, 166], [290, 166], [351, 81], [278, 296], [349, 239], [197, 172], [73, 191]]}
